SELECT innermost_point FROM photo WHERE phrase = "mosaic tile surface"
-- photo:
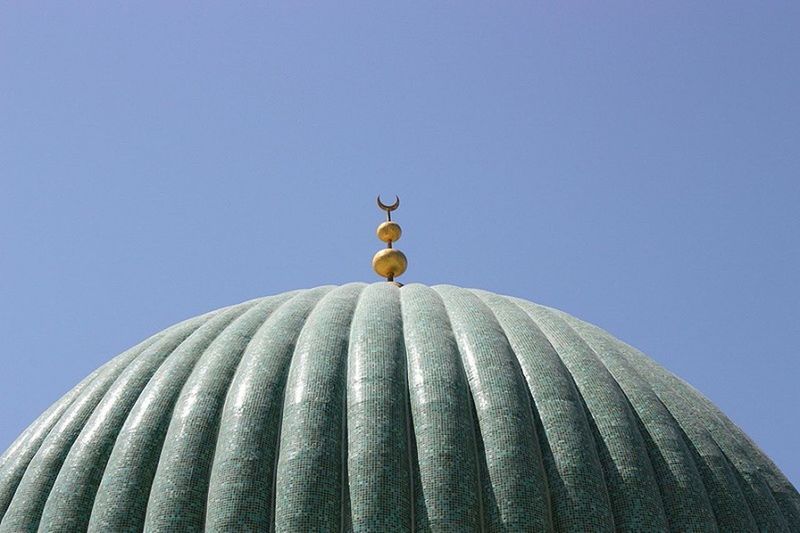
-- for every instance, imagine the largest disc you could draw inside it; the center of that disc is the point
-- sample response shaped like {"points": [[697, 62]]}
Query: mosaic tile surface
{"points": [[378, 408]]}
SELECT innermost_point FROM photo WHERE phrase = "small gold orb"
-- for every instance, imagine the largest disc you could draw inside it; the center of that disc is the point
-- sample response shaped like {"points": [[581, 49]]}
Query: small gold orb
{"points": [[389, 231], [389, 263]]}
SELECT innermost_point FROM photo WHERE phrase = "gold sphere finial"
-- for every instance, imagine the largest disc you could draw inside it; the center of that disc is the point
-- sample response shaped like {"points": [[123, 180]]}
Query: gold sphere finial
{"points": [[389, 262], [389, 231]]}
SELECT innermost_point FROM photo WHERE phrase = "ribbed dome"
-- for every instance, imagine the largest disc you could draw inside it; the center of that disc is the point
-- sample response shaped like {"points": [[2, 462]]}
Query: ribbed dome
{"points": [[374, 408]]}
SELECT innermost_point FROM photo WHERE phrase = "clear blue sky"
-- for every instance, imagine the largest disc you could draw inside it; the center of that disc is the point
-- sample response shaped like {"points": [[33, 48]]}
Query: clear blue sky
{"points": [[636, 165]]}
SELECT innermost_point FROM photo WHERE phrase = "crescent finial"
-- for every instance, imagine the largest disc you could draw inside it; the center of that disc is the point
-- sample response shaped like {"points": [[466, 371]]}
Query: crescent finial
{"points": [[389, 208], [389, 262]]}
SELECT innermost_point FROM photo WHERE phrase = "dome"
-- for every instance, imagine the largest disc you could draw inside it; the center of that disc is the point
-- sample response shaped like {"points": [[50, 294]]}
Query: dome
{"points": [[378, 408]]}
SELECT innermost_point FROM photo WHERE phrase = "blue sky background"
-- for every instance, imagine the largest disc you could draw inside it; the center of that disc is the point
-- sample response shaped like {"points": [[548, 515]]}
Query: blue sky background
{"points": [[636, 165]]}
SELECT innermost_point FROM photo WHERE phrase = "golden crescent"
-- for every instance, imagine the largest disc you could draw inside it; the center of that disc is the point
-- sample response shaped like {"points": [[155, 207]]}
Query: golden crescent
{"points": [[389, 208]]}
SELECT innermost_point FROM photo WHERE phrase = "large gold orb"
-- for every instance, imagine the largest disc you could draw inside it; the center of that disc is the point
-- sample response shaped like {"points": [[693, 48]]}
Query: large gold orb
{"points": [[389, 231], [389, 263]]}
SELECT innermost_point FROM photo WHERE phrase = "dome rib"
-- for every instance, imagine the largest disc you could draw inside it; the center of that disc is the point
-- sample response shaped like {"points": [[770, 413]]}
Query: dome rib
{"points": [[694, 434], [70, 500], [727, 444], [514, 484], [447, 486], [783, 492], [242, 483], [24, 511], [758, 501], [16, 459], [579, 496], [370, 407], [380, 481], [122, 497], [412, 455], [628, 472], [682, 491], [182, 475], [308, 492]]}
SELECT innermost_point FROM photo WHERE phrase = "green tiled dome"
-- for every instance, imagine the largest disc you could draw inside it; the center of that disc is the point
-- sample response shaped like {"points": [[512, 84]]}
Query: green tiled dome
{"points": [[377, 408]]}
